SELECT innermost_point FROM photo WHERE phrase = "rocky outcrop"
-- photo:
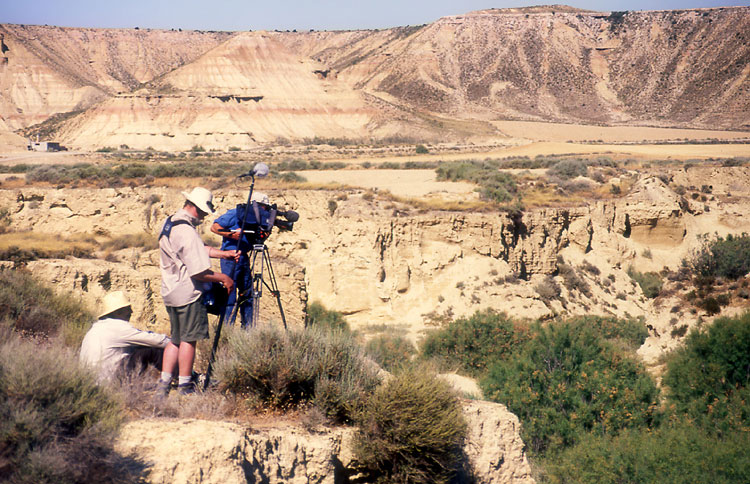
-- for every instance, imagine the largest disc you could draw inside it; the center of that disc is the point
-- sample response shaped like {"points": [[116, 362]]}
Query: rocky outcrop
{"points": [[402, 268], [226, 453], [221, 452], [406, 269]]}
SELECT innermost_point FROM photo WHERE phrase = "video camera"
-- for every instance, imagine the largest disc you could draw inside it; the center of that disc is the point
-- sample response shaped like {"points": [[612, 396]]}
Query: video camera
{"points": [[260, 219]]}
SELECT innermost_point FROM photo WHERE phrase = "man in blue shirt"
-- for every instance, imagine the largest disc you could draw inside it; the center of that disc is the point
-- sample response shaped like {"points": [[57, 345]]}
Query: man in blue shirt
{"points": [[228, 227]]}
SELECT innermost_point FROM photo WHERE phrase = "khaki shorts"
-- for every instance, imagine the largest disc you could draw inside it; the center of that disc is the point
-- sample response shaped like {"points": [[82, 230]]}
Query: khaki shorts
{"points": [[189, 322]]}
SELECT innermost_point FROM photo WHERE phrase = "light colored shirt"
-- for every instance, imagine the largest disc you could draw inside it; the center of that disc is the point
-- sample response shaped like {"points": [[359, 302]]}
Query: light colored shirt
{"points": [[107, 343], [182, 256]]}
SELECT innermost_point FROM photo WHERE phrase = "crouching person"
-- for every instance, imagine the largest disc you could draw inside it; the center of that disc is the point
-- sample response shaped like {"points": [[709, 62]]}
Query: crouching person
{"points": [[114, 347]]}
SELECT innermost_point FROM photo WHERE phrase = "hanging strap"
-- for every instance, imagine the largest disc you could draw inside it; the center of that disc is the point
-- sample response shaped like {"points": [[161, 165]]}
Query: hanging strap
{"points": [[169, 225]]}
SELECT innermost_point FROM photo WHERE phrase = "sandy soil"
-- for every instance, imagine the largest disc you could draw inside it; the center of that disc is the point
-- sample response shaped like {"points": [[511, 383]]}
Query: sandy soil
{"points": [[609, 134], [44, 158], [676, 152]]}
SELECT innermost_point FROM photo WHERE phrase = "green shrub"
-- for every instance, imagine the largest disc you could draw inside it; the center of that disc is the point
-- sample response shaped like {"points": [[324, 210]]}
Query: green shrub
{"points": [[282, 369], [291, 177], [722, 257], [56, 424], [567, 169], [5, 219], [475, 343], [113, 174], [629, 333], [390, 351], [650, 282], [678, 455], [494, 185], [710, 304], [411, 430], [566, 382], [332, 206], [28, 306], [421, 150], [548, 289], [319, 317], [708, 377], [572, 280]]}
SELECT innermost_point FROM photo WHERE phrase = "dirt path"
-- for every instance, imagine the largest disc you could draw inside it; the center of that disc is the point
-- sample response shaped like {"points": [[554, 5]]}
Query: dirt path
{"points": [[609, 134]]}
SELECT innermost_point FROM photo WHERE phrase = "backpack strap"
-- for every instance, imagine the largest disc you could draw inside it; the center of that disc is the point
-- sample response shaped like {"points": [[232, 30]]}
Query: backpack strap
{"points": [[169, 225]]}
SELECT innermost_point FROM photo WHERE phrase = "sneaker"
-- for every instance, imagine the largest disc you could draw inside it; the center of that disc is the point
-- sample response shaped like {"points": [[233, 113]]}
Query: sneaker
{"points": [[163, 387], [186, 388]]}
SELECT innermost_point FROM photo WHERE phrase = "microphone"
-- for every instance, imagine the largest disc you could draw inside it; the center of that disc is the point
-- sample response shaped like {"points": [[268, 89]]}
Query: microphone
{"points": [[259, 170]]}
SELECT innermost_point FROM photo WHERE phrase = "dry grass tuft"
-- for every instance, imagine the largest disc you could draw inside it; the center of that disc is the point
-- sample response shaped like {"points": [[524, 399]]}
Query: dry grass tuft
{"points": [[20, 246]]}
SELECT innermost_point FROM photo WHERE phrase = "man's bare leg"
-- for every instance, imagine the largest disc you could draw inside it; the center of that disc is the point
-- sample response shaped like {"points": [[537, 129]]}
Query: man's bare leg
{"points": [[169, 361], [186, 358]]}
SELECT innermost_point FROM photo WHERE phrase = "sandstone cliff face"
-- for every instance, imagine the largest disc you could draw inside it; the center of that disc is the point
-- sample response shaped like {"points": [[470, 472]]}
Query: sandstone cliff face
{"points": [[220, 452], [401, 269], [174, 90]]}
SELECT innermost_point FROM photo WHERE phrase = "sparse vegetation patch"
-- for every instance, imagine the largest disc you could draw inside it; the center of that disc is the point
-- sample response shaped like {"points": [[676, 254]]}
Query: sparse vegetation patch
{"points": [[411, 430], [494, 185], [283, 369], [33, 308], [56, 424]]}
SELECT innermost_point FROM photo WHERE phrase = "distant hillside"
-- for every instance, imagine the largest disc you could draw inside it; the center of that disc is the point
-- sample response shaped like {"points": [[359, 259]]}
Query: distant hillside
{"points": [[174, 90]]}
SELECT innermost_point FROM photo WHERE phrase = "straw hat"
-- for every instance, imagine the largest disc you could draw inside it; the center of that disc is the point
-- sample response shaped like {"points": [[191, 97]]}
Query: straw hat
{"points": [[201, 198], [112, 302]]}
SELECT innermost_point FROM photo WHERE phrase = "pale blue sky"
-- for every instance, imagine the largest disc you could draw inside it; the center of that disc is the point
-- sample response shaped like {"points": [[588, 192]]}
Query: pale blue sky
{"points": [[283, 14]]}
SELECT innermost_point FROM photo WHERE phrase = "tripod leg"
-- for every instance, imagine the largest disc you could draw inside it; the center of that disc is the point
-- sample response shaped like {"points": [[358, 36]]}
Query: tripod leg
{"points": [[213, 351], [274, 288]]}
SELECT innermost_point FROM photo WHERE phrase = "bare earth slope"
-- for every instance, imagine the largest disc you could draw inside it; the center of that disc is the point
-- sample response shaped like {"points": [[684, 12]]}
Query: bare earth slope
{"points": [[48, 70], [682, 68], [448, 79], [247, 90]]}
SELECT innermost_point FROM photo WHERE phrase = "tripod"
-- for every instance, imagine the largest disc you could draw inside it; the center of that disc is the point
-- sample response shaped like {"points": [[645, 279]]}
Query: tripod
{"points": [[258, 262], [257, 265]]}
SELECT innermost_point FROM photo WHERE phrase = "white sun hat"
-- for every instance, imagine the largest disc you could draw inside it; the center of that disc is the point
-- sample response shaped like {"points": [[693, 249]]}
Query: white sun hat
{"points": [[259, 197], [112, 302], [201, 198]]}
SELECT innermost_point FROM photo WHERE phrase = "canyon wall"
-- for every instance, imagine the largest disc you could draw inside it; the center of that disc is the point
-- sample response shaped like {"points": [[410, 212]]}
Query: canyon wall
{"points": [[387, 265]]}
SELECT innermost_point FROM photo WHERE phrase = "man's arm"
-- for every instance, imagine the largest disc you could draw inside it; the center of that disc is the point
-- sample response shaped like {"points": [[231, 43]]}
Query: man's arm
{"points": [[222, 254], [131, 335], [210, 276], [224, 232]]}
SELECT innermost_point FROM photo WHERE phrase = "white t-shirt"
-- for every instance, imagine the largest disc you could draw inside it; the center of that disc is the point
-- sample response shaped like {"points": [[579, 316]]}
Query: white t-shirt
{"points": [[182, 255], [106, 344]]}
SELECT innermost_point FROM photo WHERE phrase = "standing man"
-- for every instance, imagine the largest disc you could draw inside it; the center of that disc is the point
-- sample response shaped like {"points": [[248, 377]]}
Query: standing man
{"points": [[228, 227], [185, 274], [115, 348]]}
